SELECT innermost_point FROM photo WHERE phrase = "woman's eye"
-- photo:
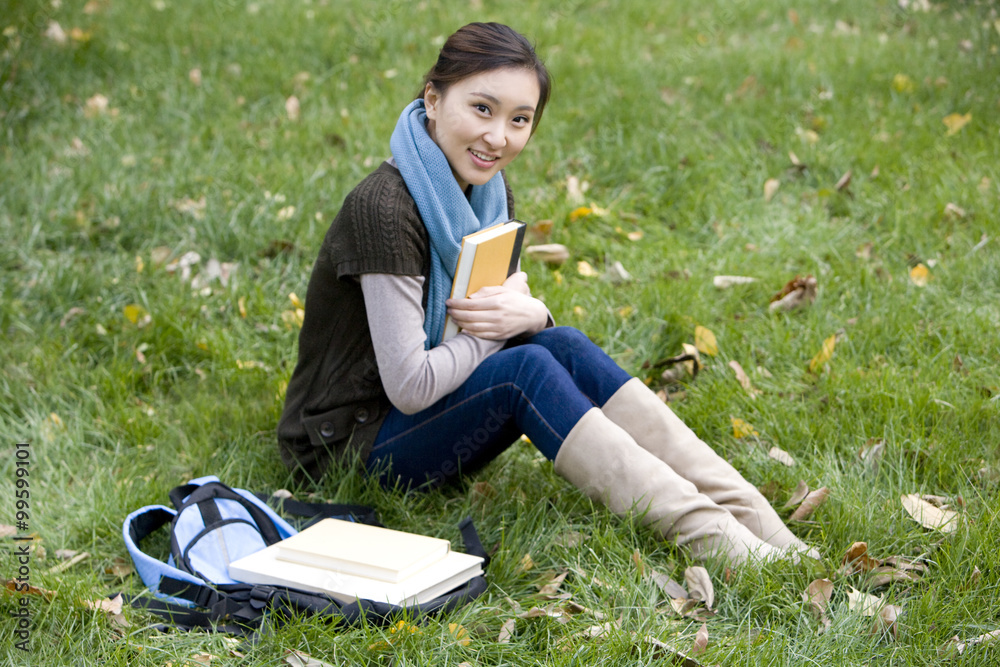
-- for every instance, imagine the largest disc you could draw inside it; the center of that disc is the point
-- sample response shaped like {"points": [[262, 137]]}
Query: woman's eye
{"points": [[522, 120], [482, 108]]}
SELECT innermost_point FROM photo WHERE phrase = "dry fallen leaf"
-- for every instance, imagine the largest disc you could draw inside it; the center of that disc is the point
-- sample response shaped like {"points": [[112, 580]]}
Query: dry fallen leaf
{"points": [[618, 274], [929, 515], [700, 640], [797, 292], [526, 564], [586, 270], [856, 559], [816, 598], [742, 429], [700, 585], [810, 504], [550, 253], [959, 646], [955, 122], [920, 275], [301, 659], [672, 589], [111, 606], [705, 341], [781, 456], [670, 655], [863, 603], [15, 586], [292, 108], [743, 379], [817, 363], [725, 282], [798, 495], [551, 587], [507, 631], [771, 186]]}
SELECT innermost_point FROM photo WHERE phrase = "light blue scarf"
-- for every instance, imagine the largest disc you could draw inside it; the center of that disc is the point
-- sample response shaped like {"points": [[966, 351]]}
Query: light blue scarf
{"points": [[446, 213]]}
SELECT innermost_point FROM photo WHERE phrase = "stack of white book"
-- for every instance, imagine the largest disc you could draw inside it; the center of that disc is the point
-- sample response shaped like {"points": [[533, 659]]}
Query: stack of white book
{"points": [[350, 560]]}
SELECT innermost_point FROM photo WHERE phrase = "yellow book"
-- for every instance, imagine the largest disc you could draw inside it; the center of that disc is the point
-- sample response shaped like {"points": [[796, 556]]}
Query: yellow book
{"points": [[362, 550], [487, 258]]}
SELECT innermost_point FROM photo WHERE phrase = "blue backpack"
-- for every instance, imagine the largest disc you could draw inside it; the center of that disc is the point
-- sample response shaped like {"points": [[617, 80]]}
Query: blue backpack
{"points": [[213, 525]]}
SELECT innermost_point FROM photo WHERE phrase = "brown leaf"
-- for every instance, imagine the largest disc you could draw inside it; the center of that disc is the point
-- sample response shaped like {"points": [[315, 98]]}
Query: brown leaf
{"points": [[18, 587], [507, 631], [700, 585], [120, 568], [928, 515], [816, 597], [887, 616], [780, 455], [700, 640], [669, 654], [871, 452], [844, 181], [637, 559], [743, 379], [725, 282], [550, 253], [672, 589], [798, 495], [857, 559], [797, 292], [300, 659], [809, 505], [571, 607], [771, 186], [7, 531], [958, 645], [552, 586], [111, 606], [885, 575], [863, 603]]}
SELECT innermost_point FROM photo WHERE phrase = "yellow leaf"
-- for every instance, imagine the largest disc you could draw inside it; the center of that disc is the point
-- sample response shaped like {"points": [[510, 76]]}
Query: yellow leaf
{"points": [[705, 341], [139, 264], [459, 633], [134, 313], [580, 212], [920, 275], [585, 269], [625, 311], [824, 355], [579, 311], [242, 304], [558, 277], [955, 122], [742, 429], [903, 84], [294, 298]]}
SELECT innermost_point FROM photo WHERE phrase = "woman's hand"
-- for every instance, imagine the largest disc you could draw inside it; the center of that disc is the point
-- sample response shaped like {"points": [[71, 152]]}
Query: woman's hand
{"points": [[500, 313]]}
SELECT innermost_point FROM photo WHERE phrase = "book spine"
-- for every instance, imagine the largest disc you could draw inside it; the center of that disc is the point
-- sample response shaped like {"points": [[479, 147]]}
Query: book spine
{"points": [[515, 255]]}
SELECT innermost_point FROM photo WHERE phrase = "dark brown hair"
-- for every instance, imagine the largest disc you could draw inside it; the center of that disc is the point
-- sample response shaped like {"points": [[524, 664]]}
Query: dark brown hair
{"points": [[483, 47]]}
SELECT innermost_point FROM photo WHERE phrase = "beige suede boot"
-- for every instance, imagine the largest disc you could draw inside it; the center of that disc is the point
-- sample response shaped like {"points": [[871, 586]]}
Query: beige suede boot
{"points": [[603, 461], [656, 428]]}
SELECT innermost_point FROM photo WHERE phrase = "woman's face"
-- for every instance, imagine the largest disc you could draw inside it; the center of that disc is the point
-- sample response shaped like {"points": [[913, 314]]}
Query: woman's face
{"points": [[482, 122]]}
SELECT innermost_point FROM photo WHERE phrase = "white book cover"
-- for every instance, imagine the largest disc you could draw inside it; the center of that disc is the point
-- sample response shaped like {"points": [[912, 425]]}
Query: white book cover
{"points": [[264, 567], [363, 550]]}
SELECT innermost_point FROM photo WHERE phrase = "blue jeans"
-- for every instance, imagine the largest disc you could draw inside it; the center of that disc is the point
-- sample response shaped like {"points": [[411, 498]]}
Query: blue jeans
{"points": [[540, 387]]}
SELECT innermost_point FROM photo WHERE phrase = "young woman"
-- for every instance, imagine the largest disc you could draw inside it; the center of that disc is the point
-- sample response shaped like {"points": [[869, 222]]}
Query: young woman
{"points": [[374, 379]]}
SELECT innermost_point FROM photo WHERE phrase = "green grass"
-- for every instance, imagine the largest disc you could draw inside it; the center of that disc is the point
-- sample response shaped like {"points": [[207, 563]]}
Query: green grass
{"points": [[675, 114]]}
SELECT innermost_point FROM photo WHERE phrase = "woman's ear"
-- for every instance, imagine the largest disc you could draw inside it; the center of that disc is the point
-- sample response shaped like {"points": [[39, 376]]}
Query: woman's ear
{"points": [[431, 100]]}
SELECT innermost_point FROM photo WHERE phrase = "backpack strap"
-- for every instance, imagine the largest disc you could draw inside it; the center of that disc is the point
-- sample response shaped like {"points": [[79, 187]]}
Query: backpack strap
{"points": [[205, 495], [317, 511]]}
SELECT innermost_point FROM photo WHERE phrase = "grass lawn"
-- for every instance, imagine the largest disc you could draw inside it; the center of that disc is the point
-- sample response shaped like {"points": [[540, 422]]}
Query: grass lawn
{"points": [[856, 141]]}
